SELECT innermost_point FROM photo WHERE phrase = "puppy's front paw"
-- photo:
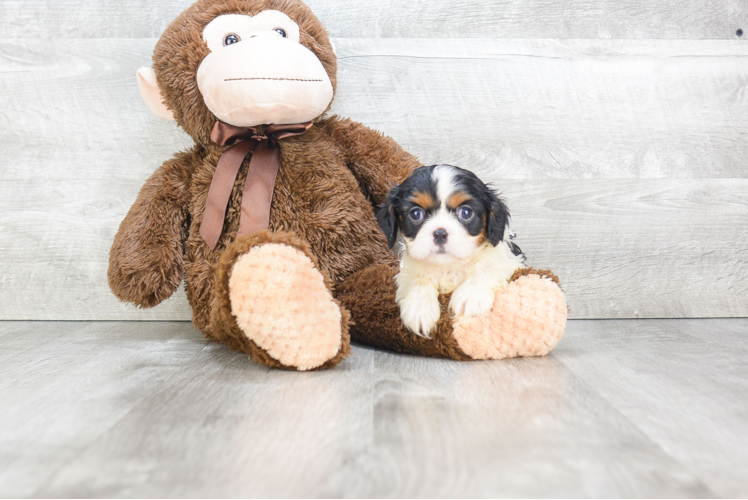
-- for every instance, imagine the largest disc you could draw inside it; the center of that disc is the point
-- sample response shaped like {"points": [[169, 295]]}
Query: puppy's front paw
{"points": [[471, 300], [420, 313]]}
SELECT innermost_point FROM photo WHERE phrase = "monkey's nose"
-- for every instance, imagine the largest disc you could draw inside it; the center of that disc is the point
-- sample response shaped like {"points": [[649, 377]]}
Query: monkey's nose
{"points": [[440, 236]]}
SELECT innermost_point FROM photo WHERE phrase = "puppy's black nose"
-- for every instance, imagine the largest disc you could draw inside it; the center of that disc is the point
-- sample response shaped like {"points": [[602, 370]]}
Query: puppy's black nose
{"points": [[440, 236]]}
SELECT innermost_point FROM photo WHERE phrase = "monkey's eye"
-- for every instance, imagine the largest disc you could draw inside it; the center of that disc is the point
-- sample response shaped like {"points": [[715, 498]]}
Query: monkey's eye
{"points": [[281, 32], [416, 214], [231, 39], [465, 213]]}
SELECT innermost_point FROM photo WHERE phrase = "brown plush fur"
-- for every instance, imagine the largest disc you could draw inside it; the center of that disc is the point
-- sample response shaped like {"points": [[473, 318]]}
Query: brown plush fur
{"points": [[546, 273], [146, 262], [329, 181], [370, 296]]}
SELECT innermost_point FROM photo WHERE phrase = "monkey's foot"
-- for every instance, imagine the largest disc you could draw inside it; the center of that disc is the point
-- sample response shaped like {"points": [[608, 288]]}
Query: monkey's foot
{"points": [[528, 318], [283, 305]]}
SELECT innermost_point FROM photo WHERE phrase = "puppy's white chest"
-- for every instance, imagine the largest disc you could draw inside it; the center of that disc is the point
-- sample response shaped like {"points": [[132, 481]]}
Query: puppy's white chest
{"points": [[447, 280]]}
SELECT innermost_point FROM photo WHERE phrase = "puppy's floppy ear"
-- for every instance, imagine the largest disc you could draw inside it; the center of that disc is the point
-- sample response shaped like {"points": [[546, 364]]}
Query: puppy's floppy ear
{"points": [[497, 218], [387, 218]]}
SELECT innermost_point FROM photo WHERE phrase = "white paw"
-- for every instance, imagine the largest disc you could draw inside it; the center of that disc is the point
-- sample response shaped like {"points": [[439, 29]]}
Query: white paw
{"points": [[420, 313], [471, 300]]}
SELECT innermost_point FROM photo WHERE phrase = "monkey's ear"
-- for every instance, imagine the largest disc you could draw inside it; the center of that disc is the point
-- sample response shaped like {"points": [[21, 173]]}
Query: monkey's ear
{"points": [[151, 94], [388, 221]]}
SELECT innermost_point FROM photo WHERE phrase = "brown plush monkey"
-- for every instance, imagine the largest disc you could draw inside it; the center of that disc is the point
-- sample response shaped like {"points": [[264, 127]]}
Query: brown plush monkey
{"points": [[272, 227]]}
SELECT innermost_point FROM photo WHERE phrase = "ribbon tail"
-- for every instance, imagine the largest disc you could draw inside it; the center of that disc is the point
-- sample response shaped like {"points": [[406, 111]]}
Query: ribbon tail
{"points": [[259, 187], [219, 193]]}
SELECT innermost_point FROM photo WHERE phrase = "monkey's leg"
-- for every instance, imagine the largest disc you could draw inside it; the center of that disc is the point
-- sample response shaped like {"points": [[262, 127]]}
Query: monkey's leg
{"points": [[527, 319], [369, 295], [274, 303]]}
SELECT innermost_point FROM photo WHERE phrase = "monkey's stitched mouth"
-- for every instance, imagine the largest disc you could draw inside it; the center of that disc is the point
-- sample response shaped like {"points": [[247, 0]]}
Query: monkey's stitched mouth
{"points": [[278, 79]]}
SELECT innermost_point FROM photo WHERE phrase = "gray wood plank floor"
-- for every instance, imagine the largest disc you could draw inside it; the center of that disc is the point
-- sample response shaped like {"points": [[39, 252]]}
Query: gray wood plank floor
{"points": [[652, 408]]}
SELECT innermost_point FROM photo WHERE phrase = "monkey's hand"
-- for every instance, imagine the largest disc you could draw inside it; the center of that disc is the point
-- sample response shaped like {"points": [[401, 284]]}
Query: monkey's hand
{"points": [[146, 262]]}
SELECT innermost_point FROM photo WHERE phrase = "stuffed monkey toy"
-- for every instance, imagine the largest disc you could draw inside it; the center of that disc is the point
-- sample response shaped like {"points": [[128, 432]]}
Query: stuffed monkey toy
{"points": [[270, 217]]}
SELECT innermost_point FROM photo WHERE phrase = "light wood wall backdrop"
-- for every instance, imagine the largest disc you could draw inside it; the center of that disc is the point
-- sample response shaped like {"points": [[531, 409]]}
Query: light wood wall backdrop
{"points": [[616, 130]]}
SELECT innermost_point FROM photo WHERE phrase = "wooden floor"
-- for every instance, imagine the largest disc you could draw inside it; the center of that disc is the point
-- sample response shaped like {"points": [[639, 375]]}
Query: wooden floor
{"points": [[652, 408]]}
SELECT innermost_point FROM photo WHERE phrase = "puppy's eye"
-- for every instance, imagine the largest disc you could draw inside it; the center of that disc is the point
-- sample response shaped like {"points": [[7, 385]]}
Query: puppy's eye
{"points": [[416, 214], [465, 213], [231, 39], [281, 32]]}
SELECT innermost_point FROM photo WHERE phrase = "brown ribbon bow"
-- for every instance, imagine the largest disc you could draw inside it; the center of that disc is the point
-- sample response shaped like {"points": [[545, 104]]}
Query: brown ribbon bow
{"points": [[258, 188]]}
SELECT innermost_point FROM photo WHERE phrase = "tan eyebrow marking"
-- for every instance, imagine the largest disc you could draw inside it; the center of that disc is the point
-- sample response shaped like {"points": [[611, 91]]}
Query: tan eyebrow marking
{"points": [[457, 199], [483, 235], [423, 199]]}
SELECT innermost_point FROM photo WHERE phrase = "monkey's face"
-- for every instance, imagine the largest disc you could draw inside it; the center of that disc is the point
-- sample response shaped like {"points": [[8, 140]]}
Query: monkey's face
{"points": [[258, 73], [245, 62]]}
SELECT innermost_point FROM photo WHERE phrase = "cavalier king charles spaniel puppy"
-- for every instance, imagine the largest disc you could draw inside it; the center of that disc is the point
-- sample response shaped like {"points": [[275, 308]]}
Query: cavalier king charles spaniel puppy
{"points": [[453, 236]]}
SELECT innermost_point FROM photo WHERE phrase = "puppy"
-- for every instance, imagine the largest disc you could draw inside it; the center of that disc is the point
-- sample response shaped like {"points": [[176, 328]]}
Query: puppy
{"points": [[454, 238]]}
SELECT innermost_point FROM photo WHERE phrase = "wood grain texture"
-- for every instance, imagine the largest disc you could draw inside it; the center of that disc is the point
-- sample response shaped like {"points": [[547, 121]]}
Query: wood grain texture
{"points": [[576, 117], [633, 248], [638, 248], [692, 19], [563, 109], [731, 338], [519, 109], [107, 368], [640, 367], [619, 409]]}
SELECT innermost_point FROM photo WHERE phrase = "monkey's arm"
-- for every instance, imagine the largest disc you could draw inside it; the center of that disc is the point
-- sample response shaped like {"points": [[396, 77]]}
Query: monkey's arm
{"points": [[377, 161], [146, 262]]}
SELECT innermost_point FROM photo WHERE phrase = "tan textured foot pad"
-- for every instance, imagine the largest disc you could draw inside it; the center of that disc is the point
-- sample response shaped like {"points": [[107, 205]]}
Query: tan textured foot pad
{"points": [[528, 318], [281, 303]]}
